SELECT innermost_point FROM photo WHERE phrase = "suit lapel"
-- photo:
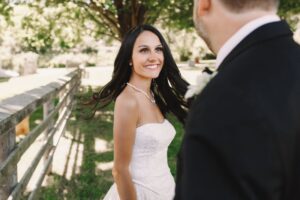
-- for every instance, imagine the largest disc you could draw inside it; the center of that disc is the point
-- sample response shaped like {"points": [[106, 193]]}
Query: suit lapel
{"points": [[266, 32]]}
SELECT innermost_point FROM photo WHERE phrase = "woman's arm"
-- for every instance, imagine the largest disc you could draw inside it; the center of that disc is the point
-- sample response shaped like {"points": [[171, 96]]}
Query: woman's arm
{"points": [[125, 120]]}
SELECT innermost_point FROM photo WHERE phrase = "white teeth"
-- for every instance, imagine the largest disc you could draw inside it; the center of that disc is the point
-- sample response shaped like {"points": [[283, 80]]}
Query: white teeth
{"points": [[151, 66]]}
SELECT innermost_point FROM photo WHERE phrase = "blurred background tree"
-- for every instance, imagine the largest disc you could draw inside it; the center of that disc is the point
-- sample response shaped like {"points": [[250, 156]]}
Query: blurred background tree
{"points": [[60, 26], [288, 10], [289, 7], [111, 19], [5, 10], [115, 18]]}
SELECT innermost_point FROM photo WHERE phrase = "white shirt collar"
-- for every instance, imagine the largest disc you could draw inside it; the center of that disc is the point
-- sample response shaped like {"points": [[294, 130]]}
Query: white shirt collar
{"points": [[234, 40]]}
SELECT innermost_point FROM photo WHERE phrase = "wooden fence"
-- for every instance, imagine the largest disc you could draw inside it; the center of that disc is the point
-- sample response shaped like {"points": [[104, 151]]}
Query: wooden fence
{"points": [[57, 100]]}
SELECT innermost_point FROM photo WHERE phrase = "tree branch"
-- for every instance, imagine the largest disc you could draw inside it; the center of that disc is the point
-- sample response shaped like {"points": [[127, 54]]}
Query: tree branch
{"points": [[109, 16], [111, 33], [121, 16], [110, 23]]}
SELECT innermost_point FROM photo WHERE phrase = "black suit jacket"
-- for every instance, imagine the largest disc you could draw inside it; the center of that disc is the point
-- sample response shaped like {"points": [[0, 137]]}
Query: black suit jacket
{"points": [[242, 136]]}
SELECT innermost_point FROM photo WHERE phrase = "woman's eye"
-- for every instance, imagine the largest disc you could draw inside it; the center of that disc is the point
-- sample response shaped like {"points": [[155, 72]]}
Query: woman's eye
{"points": [[143, 50], [159, 49]]}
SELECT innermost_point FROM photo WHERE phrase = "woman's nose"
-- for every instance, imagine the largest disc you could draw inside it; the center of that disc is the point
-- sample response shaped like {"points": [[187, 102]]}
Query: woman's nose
{"points": [[153, 56]]}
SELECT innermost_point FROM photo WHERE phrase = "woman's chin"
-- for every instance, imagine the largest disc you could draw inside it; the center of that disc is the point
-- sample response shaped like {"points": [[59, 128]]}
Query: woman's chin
{"points": [[152, 73]]}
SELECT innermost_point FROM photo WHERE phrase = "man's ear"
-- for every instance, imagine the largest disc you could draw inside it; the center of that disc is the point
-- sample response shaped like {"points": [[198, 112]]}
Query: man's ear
{"points": [[203, 7]]}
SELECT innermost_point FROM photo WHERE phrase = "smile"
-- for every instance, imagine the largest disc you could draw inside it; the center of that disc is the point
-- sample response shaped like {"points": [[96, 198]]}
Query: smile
{"points": [[152, 66]]}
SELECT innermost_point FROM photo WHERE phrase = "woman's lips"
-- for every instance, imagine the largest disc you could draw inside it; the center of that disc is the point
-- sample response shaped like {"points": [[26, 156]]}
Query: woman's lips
{"points": [[152, 66]]}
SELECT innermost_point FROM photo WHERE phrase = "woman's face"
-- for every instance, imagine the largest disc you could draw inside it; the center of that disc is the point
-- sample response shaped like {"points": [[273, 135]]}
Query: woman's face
{"points": [[147, 55]]}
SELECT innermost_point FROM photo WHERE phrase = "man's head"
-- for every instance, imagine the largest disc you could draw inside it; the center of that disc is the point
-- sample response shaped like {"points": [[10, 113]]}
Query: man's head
{"points": [[222, 17], [244, 5]]}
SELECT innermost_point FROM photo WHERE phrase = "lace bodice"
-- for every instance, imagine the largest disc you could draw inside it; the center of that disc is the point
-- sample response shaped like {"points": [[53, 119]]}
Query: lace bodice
{"points": [[149, 166], [149, 155]]}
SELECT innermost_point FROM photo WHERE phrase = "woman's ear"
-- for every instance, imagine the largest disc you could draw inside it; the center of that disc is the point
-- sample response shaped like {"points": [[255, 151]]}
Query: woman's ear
{"points": [[203, 7]]}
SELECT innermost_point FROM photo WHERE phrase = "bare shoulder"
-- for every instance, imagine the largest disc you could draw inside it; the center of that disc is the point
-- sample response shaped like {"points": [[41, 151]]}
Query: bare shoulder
{"points": [[126, 102]]}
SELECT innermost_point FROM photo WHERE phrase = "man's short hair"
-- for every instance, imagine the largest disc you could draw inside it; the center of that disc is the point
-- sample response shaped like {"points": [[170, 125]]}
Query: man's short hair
{"points": [[242, 5]]}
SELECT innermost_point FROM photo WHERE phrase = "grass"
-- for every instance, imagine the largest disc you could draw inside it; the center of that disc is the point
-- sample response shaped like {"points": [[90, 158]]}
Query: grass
{"points": [[37, 116], [175, 145], [92, 183], [2, 79]]}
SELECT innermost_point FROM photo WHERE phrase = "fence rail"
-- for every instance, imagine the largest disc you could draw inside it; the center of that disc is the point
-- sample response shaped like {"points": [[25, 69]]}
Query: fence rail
{"points": [[57, 100]]}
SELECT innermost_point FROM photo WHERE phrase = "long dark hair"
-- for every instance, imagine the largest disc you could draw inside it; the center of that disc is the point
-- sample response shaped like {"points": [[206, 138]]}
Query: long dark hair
{"points": [[168, 88]]}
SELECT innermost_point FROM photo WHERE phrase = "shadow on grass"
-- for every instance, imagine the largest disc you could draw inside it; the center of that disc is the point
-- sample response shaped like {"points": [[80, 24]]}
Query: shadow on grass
{"points": [[86, 170]]}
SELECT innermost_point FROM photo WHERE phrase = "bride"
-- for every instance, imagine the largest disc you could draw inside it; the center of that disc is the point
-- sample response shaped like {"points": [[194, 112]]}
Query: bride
{"points": [[146, 85]]}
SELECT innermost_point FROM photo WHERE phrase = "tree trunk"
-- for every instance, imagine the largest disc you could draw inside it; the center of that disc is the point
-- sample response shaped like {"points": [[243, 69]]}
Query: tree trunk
{"points": [[129, 15]]}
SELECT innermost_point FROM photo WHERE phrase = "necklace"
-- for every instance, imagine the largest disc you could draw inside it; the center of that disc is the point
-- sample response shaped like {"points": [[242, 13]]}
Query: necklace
{"points": [[141, 91]]}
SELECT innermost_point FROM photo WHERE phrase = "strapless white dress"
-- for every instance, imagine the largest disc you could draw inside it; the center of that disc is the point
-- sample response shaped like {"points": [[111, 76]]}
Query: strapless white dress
{"points": [[149, 166]]}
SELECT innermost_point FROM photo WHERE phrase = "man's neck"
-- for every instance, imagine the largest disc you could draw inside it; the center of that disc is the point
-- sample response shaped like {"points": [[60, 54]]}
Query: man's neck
{"points": [[240, 34], [233, 23]]}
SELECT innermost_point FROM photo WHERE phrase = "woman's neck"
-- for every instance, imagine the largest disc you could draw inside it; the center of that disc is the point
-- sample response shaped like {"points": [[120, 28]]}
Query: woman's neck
{"points": [[143, 84]]}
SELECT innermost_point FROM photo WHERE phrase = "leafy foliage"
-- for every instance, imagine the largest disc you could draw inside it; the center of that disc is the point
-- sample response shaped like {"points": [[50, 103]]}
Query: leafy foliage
{"points": [[289, 7], [5, 10], [287, 10], [57, 28], [115, 18], [178, 15], [59, 25]]}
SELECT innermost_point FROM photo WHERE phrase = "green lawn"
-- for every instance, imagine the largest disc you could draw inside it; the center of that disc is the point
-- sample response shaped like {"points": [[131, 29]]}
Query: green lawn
{"points": [[92, 183]]}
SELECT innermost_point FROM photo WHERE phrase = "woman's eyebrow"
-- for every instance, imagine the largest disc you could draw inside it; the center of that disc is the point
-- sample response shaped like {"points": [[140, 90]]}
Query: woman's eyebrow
{"points": [[144, 45]]}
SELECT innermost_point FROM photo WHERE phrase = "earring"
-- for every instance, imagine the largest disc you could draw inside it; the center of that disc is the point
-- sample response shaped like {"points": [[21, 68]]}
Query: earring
{"points": [[130, 63]]}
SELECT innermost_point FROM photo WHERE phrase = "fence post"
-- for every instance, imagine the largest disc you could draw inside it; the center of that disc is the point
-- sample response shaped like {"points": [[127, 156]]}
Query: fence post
{"points": [[47, 109], [7, 144]]}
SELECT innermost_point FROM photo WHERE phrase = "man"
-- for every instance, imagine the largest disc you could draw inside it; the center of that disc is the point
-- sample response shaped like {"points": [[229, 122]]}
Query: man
{"points": [[242, 136]]}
